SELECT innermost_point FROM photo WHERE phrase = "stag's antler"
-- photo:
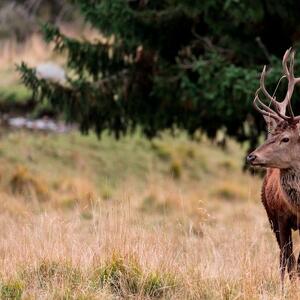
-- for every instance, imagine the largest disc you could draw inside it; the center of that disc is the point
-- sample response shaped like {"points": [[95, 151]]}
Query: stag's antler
{"points": [[279, 111]]}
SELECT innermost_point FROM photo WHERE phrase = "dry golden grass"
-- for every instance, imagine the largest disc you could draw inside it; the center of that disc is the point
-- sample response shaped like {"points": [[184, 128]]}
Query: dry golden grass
{"points": [[202, 236], [233, 258]]}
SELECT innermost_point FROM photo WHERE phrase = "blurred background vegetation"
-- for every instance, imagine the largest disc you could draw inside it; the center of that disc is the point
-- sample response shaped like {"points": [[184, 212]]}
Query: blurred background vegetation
{"points": [[19, 19], [169, 65]]}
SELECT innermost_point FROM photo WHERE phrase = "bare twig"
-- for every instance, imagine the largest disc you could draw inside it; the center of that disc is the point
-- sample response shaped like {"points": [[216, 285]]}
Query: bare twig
{"points": [[263, 48]]}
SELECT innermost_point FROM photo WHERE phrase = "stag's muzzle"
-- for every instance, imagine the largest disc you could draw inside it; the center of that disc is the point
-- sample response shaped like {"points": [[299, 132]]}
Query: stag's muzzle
{"points": [[251, 158]]}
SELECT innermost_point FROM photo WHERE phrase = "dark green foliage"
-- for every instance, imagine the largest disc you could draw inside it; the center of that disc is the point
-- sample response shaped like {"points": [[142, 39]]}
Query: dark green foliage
{"points": [[171, 64]]}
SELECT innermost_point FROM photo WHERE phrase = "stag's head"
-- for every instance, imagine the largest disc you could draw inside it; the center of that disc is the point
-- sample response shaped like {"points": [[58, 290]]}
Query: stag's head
{"points": [[282, 148]]}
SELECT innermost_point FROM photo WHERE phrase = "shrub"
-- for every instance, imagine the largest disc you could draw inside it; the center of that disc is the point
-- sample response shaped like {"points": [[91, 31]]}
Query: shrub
{"points": [[27, 184], [162, 151], [157, 285], [176, 168], [13, 290], [230, 191], [125, 278], [120, 275], [106, 192], [48, 272], [76, 191], [152, 204]]}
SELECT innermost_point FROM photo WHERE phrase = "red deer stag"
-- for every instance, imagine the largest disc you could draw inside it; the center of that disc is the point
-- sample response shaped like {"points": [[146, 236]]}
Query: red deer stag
{"points": [[280, 154]]}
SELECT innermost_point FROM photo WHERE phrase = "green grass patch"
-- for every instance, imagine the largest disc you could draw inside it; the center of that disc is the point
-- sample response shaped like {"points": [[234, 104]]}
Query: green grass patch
{"points": [[50, 273], [125, 278], [151, 204], [14, 94], [12, 290]]}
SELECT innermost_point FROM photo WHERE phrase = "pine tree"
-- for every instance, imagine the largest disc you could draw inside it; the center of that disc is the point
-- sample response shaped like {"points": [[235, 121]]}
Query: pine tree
{"points": [[168, 64]]}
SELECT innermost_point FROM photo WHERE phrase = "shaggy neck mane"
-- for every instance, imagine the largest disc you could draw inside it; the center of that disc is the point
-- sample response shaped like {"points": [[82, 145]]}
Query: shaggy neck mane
{"points": [[283, 126], [290, 182]]}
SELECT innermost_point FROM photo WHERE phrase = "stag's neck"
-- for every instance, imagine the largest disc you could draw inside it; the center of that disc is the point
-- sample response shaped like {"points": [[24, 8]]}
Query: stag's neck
{"points": [[290, 182]]}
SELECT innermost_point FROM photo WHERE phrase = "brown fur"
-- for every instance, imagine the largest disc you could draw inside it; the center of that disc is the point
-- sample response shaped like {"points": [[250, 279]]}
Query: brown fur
{"points": [[281, 189], [274, 199], [282, 218]]}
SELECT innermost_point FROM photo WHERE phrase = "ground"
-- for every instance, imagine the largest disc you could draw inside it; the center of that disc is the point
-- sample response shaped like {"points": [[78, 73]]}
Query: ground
{"points": [[83, 218]]}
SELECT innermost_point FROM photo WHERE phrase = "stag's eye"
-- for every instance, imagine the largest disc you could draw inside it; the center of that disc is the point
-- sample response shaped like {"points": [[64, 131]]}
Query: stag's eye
{"points": [[285, 140]]}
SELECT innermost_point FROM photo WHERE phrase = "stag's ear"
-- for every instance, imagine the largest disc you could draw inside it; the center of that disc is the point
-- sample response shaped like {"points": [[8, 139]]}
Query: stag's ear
{"points": [[271, 123]]}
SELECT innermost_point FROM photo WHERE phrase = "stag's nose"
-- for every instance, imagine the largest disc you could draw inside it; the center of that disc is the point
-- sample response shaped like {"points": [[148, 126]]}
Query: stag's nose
{"points": [[251, 158]]}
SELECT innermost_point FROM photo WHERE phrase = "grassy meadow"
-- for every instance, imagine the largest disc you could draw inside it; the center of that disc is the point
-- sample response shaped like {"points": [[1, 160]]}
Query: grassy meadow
{"points": [[169, 218], [82, 218]]}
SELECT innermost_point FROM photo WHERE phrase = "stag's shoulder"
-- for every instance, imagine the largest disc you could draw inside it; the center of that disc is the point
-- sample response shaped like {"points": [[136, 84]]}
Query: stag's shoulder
{"points": [[272, 195]]}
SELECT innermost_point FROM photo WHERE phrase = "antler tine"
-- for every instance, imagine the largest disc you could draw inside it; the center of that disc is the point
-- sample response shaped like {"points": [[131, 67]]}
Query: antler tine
{"points": [[279, 112], [265, 107], [289, 74], [292, 61], [267, 111], [292, 80], [276, 104], [285, 60], [296, 79]]}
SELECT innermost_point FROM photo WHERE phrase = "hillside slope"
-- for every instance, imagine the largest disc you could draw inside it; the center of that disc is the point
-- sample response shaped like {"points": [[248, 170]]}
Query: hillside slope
{"points": [[169, 218]]}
